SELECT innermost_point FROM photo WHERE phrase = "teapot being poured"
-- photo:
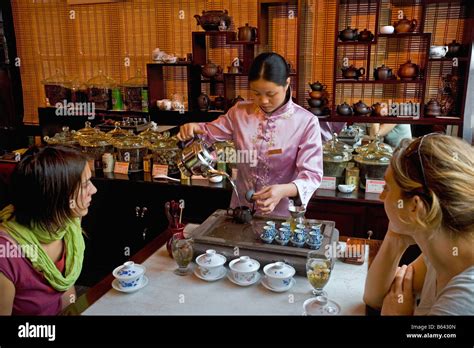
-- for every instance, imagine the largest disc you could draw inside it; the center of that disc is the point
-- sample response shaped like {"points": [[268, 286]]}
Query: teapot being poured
{"points": [[198, 158]]}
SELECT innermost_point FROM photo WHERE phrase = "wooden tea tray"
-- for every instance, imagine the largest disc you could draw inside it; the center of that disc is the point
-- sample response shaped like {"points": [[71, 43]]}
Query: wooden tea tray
{"points": [[221, 233]]}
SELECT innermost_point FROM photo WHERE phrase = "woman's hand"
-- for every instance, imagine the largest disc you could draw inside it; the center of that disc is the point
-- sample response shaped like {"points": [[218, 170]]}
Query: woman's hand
{"points": [[400, 298], [402, 240], [269, 197], [188, 130]]}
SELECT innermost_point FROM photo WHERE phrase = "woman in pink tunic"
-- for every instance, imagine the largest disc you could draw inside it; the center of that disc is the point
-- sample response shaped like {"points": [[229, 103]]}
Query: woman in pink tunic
{"points": [[279, 140]]}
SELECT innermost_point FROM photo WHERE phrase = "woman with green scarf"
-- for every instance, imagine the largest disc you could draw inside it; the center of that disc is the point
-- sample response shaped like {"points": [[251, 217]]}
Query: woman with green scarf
{"points": [[41, 241]]}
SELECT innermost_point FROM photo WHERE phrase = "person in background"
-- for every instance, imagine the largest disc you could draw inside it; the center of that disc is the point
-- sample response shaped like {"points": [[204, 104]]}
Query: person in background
{"points": [[329, 128], [51, 191], [285, 137], [393, 134], [429, 200]]}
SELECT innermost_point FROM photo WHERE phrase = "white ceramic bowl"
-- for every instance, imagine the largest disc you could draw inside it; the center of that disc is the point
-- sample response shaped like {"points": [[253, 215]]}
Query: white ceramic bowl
{"points": [[346, 188], [387, 29], [244, 269], [279, 274], [438, 51], [129, 275], [211, 263]]}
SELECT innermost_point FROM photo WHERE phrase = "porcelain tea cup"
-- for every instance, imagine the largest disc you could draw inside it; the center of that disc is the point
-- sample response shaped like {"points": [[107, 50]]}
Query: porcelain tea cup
{"points": [[268, 234], [211, 263], [129, 275], [346, 188], [279, 274], [438, 51]]}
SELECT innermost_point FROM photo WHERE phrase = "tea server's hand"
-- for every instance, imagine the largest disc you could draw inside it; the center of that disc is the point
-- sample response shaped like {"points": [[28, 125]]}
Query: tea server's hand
{"points": [[188, 130]]}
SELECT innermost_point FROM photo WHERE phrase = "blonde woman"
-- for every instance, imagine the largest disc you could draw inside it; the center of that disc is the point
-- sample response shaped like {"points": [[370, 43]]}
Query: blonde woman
{"points": [[429, 200]]}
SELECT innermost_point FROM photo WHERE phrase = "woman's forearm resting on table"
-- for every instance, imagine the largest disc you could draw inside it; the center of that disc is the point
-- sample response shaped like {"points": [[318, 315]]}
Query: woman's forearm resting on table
{"points": [[382, 272]]}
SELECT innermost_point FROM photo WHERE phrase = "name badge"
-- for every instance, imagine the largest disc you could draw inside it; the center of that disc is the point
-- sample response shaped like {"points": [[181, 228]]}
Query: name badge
{"points": [[274, 152]]}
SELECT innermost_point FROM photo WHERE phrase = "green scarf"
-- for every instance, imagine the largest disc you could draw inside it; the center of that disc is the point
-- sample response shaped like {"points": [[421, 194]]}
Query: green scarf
{"points": [[28, 238]]}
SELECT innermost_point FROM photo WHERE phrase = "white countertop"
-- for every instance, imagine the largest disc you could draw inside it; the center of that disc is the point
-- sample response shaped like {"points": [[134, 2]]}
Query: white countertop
{"points": [[170, 294]]}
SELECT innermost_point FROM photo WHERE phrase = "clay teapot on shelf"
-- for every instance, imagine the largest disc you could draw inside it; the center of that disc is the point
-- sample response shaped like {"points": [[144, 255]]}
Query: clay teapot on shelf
{"points": [[361, 109], [432, 109], [379, 110], [317, 86], [454, 49], [383, 73], [365, 36], [247, 33], [408, 71], [211, 20], [204, 102], [348, 34], [209, 70], [405, 25], [344, 109], [352, 72]]}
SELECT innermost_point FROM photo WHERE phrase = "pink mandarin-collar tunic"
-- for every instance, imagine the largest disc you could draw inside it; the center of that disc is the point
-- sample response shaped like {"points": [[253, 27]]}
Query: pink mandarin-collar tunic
{"points": [[286, 144]]}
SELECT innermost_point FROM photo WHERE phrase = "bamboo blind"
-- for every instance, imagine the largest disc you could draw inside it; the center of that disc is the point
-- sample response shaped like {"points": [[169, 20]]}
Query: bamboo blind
{"points": [[81, 40]]}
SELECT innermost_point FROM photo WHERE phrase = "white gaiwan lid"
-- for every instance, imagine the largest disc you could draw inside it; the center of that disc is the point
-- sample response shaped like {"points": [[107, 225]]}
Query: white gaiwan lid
{"points": [[244, 264], [279, 270], [211, 259], [129, 270]]}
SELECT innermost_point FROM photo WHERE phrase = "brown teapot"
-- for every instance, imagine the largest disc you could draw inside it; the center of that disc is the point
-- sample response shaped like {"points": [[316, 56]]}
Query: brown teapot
{"points": [[379, 110], [348, 34], [211, 20], [361, 109], [236, 100], [405, 25], [383, 73], [247, 33], [408, 71], [209, 70], [454, 49], [366, 35], [219, 102], [352, 72], [317, 86], [432, 109], [203, 102]]}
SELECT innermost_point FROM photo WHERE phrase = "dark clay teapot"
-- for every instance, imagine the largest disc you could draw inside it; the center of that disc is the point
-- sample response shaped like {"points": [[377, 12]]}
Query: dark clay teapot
{"points": [[219, 102], [211, 20], [209, 70], [405, 25], [366, 36], [319, 111], [408, 71], [348, 34], [344, 109], [361, 109], [247, 33], [203, 102], [383, 73], [454, 49], [352, 72], [236, 100], [317, 86], [432, 109], [315, 103]]}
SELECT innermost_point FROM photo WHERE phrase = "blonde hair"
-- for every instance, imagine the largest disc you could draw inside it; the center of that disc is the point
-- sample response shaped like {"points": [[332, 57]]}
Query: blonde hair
{"points": [[444, 180]]}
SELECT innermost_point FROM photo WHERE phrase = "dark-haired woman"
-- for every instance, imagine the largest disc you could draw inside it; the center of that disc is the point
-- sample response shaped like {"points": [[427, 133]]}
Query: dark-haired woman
{"points": [[283, 137], [40, 232]]}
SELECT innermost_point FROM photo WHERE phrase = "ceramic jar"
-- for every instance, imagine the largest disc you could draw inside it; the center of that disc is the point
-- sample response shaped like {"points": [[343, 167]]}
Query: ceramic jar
{"points": [[247, 33]]}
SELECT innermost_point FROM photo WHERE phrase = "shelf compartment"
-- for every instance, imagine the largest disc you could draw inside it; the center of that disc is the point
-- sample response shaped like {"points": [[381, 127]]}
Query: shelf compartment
{"points": [[385, 82], [390, 119]]}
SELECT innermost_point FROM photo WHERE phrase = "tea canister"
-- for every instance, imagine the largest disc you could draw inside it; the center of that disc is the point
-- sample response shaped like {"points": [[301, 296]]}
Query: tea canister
{"points": [[108, 163]]}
